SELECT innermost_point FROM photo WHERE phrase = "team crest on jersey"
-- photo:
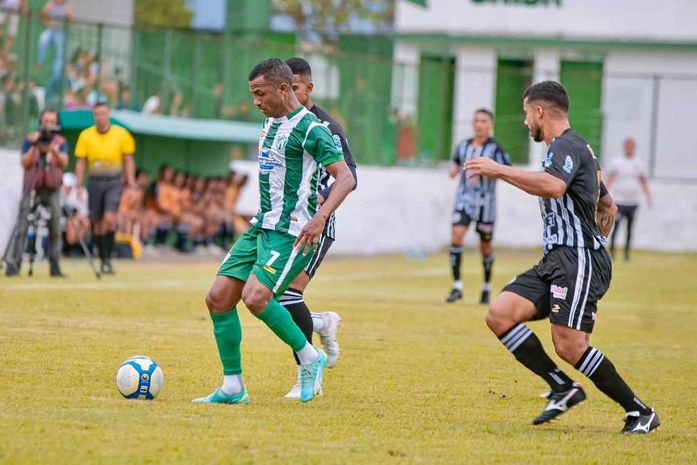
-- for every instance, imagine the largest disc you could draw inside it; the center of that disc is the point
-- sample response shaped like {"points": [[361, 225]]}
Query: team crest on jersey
{"points": [[568, 164], [281, 142], [337, 142], [548, 160]]}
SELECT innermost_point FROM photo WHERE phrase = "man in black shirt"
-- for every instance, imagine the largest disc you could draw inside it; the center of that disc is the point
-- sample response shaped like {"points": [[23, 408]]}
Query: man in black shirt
{"points": [[475, 201], [575, 270], [325, 324]]}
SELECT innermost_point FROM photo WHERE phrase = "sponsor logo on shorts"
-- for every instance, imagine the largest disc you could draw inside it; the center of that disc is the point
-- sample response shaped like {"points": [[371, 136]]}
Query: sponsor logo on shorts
{"points": [[269, 269], [593, 316], [556, 308], [559, 292]]}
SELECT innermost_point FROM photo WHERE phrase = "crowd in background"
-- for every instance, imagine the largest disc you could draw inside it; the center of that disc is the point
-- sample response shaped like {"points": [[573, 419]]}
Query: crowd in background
{"points": [[188, 212], [76, 77]]}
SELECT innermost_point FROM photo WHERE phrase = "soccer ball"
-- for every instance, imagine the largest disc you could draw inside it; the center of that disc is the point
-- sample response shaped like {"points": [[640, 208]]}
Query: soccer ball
{"points": [[139, 377]]}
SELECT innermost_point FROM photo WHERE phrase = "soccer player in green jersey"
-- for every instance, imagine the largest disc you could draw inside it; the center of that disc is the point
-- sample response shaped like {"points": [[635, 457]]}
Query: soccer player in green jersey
{"points": [[285, 232]]}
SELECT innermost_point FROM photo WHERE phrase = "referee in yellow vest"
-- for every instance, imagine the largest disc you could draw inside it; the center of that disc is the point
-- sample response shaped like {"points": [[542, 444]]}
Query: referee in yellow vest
{"points": [[107, 153]]}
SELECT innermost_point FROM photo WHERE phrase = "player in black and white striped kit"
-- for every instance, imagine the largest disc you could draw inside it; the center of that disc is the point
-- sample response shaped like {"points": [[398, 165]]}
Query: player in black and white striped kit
{"points": [[475, 201], [326, 324], [575, 270]]}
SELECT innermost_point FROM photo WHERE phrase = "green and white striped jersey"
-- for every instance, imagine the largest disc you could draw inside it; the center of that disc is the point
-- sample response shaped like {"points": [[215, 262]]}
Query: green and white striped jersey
{"points": [[291, 149]]}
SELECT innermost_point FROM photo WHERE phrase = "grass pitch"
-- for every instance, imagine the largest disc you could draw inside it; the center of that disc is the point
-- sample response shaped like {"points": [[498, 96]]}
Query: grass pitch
{"points": [[419, 381]]}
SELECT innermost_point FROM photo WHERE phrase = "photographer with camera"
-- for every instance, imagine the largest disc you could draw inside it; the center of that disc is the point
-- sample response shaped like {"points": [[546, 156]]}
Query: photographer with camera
{"points": [[105, 151], [44, 155]]}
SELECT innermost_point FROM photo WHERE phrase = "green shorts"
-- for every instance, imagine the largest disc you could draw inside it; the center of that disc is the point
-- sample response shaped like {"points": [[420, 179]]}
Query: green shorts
{"points": [[268, 254]]}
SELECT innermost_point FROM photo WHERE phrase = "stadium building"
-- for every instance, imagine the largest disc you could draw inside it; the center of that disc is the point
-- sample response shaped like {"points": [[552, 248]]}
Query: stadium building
{"points": [[629, 73]]}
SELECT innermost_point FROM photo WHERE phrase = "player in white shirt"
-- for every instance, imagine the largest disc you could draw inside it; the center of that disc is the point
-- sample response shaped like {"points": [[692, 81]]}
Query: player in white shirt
{"points": [[626, 180]]}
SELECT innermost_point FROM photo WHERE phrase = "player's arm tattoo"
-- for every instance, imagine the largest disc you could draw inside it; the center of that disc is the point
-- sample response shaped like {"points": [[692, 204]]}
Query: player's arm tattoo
{"points": [[605, 214]]}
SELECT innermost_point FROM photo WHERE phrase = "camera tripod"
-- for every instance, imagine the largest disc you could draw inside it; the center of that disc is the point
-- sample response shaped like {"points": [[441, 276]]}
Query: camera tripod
{"points": [[28, 239]]}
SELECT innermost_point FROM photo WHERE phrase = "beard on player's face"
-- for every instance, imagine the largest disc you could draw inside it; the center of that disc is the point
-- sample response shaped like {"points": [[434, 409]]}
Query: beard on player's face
{"points": [[536, 133]]}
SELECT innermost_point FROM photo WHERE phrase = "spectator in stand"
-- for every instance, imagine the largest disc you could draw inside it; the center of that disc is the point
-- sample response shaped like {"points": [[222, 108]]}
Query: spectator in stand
{"points": [[190, 226], [75, 206], [54, 15], [167, 199], [126, 101], [10, 12], [152, 105]]}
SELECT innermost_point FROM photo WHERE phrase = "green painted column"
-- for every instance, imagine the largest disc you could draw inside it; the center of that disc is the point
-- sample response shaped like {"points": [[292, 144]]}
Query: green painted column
{"points": [[435, 107], [512, 78], [584, 82]]}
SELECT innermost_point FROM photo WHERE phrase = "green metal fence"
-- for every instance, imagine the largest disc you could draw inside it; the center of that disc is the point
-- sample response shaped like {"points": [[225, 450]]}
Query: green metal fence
{"points": [[393, 113]]}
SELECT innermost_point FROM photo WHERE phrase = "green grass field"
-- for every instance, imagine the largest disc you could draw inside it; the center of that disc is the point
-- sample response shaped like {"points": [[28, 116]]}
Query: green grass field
{"points": [[419, 381]]}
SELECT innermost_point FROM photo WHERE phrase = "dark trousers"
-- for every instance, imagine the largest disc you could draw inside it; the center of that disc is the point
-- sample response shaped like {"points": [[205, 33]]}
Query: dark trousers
{"points": [[51, 201], [624, 212]]}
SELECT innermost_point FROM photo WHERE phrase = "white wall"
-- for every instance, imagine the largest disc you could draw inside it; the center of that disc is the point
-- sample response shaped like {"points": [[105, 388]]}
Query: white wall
{"points": [[10, 193], [405, 78], [475, 86], [104, 11], [400, 209], [396, 210], [628, 101], [616, 19]]}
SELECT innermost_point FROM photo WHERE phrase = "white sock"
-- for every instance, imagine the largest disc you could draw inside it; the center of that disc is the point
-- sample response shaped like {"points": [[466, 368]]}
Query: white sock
{"points": [[317, 322], [232, 384], [307, 354], [457, 285]]}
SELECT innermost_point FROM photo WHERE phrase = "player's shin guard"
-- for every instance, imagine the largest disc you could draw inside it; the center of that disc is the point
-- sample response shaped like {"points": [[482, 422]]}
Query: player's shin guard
{"points": [[455, 260], [278, 319], [228, 337], [292, 299], [528, 350], [599, 369]]}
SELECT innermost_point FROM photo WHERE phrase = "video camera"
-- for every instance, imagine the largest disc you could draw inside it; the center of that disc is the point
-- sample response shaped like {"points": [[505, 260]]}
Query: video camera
{"points": [[46, 135]]}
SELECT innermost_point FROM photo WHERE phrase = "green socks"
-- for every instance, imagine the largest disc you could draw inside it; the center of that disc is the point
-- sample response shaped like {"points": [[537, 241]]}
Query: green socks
{"points": [[281, 323], [228, 336]]}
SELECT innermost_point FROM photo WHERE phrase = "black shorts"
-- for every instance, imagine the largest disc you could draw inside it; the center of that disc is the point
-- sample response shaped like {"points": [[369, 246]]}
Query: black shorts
{"points": [[483, 228], [626, 211], [104, 195], [325, 243], [566, 285]]}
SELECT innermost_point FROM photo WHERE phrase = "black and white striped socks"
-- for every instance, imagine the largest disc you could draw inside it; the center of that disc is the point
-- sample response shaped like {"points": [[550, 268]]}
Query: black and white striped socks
{"points": [[527, 349], [599, 369], [455, 260]]}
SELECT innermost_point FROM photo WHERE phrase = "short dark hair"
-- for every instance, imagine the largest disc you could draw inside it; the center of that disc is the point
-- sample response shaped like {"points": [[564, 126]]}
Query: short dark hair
{"points": [[299, 66], [486, 111], [50, 110], [550, 92], [101, 103], [273, 69]]}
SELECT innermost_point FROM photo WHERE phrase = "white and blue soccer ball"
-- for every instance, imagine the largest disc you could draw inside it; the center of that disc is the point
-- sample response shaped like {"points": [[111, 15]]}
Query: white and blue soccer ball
{"points": [[139, 377]]}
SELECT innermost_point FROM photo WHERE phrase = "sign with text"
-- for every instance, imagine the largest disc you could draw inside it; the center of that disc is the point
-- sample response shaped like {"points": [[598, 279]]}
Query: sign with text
{"points": [[642, 20]]}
